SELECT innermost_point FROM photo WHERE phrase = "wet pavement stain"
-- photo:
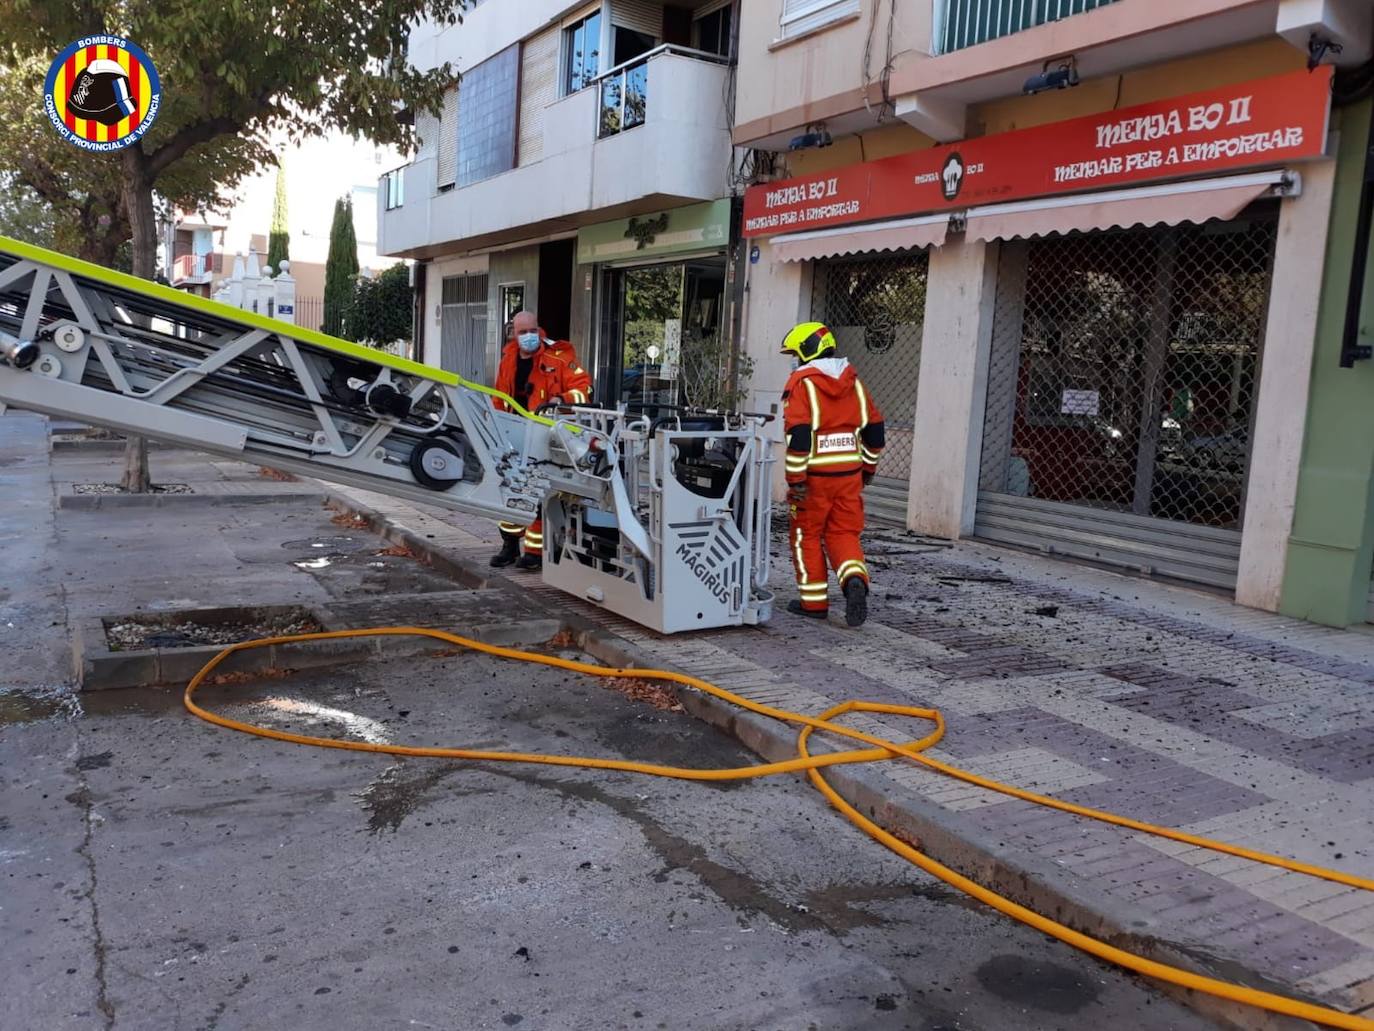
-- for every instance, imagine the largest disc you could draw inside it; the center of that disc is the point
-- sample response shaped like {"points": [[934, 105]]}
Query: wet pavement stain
{"points": [[839, 905], [25, 708], [1043, 986], [318, 720], [350, 574], [402, 789], [736, 888]]}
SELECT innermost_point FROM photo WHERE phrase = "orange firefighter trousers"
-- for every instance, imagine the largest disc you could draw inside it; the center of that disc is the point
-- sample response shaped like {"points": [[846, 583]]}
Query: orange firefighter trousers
{"points": [[825, 525]]}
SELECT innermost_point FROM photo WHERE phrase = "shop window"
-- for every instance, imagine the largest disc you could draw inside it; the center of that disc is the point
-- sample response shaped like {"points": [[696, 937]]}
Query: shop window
{"points": [[1124, 372], [581, 53], [663, 323]]}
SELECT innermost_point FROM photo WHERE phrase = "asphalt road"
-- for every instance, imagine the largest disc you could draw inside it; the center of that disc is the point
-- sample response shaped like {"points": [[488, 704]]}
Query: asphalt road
{"points": [[159, 872]]}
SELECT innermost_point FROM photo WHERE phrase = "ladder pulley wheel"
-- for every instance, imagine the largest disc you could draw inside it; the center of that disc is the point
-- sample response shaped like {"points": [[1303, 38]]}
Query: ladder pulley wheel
{"points": [[436, 464]]}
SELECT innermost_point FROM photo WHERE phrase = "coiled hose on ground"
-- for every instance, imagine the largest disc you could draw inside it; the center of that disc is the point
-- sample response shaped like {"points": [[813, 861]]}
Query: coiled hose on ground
{"points": [[813, 765]]}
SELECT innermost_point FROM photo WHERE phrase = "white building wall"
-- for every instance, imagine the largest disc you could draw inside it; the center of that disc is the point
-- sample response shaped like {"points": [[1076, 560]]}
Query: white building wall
{"points": [[777, 297], [1285, 377], [486, 30], [681, 151]]}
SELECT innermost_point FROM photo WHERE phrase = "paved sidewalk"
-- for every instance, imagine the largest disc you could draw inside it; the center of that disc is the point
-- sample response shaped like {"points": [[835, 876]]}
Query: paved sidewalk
{"points": [[1168, 705]]}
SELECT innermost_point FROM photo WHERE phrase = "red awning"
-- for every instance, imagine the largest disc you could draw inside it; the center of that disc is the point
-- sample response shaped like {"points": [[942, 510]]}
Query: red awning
{"points": [[897, 234], [1170, 204]]}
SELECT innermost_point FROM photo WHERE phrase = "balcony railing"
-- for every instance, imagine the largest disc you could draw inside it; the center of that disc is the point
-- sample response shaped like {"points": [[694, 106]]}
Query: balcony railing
{"points": [[192, 266], [624, 89], [965, 23]]}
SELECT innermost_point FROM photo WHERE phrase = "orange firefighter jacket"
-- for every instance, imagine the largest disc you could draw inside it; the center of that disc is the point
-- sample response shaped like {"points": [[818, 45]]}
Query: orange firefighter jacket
{"points": [[553, 373], [832, 423]]}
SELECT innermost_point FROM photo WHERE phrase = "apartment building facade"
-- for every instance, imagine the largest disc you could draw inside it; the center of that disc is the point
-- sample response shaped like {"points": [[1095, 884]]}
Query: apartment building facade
{"points": [[581, 169], [1076, 248]]}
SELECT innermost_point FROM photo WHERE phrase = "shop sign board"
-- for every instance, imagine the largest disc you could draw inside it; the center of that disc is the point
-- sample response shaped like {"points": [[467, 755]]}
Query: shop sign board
{"points": [[1262, 122], [694, 227]]}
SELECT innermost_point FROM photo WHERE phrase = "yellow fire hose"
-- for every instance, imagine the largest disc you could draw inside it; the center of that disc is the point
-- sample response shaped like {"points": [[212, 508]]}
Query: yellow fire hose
{"points": [[812, 765]]}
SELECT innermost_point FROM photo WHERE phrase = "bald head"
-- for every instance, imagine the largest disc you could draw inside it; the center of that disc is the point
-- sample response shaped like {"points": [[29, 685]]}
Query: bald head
{"points": [[524, 322]]}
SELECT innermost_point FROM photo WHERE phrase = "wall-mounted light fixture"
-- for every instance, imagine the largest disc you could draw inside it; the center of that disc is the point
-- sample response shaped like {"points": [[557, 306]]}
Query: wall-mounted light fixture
{"points": [[1058, 73], [816, 135]]}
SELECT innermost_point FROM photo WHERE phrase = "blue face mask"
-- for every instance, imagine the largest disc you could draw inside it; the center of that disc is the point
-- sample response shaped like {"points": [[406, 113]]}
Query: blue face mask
{"points": [[528, 342]]}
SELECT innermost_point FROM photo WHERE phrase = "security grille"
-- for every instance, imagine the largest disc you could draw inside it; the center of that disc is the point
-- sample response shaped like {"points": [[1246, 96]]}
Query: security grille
{"points": [[1122, 380], [462, 326], [876, 308]]}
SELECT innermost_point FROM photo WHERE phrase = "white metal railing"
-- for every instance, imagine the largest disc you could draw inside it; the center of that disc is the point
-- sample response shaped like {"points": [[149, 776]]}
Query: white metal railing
{"points": [[624, 89], [966, 23]]}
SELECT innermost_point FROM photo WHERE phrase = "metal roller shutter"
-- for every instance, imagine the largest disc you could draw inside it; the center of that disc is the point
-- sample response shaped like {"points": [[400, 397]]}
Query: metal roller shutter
{"points": [[1121, 393], [639, 15], [538, 89], [801, 16], [426, 135], [446, 160]]}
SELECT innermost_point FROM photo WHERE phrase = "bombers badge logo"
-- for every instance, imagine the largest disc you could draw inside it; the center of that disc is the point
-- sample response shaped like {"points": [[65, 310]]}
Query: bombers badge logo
{"points": [[102, 93]]}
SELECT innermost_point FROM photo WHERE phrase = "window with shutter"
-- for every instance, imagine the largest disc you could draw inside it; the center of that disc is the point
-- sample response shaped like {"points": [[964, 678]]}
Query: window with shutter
{"points": [[641, 16], [801, 16], [446, 160], [426, 135], [538, 89]]}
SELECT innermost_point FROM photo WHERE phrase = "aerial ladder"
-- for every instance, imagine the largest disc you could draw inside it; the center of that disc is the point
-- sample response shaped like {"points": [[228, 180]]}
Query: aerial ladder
{"points": [[663, 519]]}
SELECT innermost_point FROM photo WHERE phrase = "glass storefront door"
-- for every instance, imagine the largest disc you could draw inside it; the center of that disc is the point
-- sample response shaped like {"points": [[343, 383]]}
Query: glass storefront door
{"points": [[660, 342]]}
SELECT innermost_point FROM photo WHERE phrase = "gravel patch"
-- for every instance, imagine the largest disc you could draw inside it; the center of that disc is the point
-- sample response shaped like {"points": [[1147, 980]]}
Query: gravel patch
{"points": [[136, 636], [114, 488]]}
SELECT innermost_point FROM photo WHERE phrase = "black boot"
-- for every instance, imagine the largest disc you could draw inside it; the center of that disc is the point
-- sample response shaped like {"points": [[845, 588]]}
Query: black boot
{"points": [[530, 560], [510, 550], [795, 607], [855, 601]]}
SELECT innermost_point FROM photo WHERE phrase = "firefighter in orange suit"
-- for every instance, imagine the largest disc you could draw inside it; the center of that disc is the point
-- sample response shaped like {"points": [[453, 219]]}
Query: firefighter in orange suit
{"points": [[535, 371], [834, 437]]}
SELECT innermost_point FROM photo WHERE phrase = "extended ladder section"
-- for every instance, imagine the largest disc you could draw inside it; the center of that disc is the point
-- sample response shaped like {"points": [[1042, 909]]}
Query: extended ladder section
{"points": [[84, 342]]}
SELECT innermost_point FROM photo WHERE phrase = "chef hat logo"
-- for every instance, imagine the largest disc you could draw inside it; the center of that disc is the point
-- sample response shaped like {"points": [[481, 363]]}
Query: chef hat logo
{"points": [[952, 176]]}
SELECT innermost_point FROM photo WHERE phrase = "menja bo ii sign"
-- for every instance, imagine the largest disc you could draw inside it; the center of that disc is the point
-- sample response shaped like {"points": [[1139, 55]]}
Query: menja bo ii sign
{"points": [[1262, 122]]}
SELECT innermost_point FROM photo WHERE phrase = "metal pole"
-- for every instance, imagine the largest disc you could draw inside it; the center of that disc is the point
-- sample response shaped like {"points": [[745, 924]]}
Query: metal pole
{"points": [[1156, 357]]}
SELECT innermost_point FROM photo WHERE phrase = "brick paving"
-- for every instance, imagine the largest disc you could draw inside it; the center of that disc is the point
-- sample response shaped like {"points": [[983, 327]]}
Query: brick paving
{"points": [[1168, 705]]}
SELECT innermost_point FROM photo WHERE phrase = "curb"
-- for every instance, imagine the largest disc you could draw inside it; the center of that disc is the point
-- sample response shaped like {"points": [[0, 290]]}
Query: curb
{"points": [[469, 574], [942, 835], [99, 669], [89, 502]]}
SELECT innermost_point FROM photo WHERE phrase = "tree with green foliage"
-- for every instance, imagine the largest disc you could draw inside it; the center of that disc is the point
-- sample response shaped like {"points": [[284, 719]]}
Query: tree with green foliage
{"points": [[382, 312], [52, 194], [340, 271], [279, 241], [233, 76]]}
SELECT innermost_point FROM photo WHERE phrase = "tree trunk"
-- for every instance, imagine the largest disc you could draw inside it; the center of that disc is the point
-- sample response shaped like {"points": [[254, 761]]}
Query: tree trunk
{"points": [[138, 206]]}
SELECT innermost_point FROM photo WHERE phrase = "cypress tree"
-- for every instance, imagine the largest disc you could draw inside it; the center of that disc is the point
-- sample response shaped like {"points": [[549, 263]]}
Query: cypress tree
{"points": [[279, 242], [340, 270]]}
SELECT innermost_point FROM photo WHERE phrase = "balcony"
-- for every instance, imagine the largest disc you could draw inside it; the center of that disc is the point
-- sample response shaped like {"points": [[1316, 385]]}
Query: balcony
{"points": [[966, 23], [649, 134], [625, 89], [194, 269]]}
